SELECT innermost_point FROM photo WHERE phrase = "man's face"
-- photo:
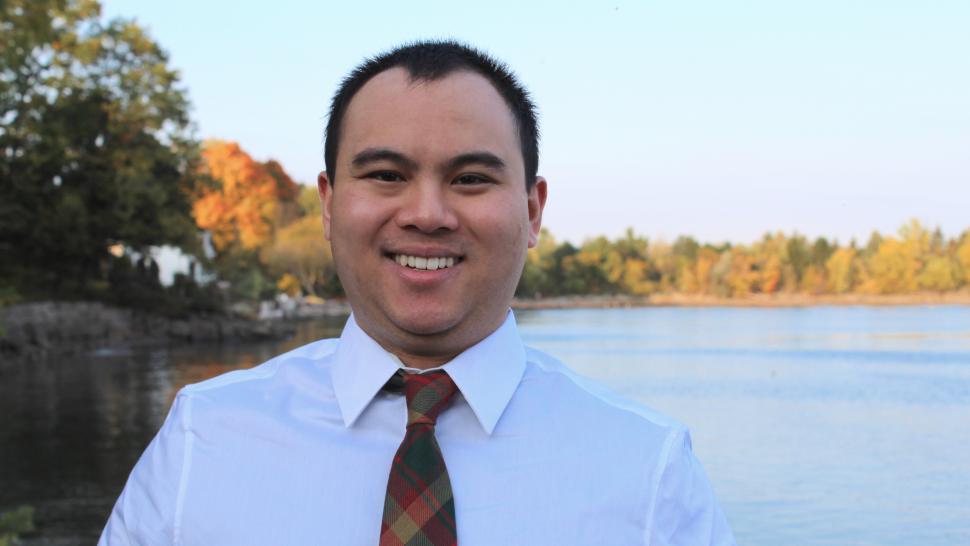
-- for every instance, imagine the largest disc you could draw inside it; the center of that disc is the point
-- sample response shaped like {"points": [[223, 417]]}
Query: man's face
{"points": [[428, 216]]}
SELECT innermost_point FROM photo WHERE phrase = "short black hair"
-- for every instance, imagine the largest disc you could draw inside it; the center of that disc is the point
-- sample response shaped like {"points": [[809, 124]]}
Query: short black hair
{"points": [[430, 61]]}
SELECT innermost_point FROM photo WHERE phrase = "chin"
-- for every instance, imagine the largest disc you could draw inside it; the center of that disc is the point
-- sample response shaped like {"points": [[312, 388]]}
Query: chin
{"points": [[426, 323]]}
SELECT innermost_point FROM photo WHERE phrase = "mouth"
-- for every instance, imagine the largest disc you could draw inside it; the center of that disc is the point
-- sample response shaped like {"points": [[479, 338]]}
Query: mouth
{"points": [[425, 263]]}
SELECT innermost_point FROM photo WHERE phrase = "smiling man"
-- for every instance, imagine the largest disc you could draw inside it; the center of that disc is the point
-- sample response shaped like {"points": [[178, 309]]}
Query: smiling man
{"points": [[427, 422], [429, 211]]}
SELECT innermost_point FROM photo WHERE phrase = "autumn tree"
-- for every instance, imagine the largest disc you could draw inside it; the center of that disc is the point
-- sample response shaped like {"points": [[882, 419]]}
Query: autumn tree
{"points": [[916, 259], [247, 200], [842, 269], [963, 256], [243, 204], [301, 251]]}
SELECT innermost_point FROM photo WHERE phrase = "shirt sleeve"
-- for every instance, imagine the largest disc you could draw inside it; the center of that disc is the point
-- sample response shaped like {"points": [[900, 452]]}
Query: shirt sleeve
{"points": [[147, 510], [686, 513]]}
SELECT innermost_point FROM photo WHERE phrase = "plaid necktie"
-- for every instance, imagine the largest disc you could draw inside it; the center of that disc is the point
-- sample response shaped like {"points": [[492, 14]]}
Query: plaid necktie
{"points": [[419, 509]]}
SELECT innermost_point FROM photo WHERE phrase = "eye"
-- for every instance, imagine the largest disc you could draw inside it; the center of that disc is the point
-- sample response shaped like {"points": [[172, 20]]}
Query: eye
{"points": [[471, 180], [385, 176]]}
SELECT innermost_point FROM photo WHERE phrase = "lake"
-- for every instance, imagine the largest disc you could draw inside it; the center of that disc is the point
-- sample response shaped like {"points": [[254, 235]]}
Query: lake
{"points": [[817, 425]]}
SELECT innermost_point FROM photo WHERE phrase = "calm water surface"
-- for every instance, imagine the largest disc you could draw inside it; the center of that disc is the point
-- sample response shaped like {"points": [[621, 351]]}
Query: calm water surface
{"points": [[817, 426]]}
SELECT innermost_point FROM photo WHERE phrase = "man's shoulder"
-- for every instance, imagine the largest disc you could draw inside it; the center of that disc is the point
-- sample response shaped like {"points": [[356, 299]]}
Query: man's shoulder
{"points": [[313, 354], [590, 398]]}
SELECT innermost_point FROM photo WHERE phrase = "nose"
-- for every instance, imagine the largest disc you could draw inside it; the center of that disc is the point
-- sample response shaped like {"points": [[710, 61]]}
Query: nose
{"points": [[426, 207]]}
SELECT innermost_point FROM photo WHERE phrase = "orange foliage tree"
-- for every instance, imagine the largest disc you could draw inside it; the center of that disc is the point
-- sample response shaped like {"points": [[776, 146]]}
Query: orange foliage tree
{"points": [[247, 201]]}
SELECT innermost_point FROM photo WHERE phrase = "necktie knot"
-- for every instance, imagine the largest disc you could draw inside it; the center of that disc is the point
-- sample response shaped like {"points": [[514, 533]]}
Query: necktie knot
{"points": [[427, 394]]}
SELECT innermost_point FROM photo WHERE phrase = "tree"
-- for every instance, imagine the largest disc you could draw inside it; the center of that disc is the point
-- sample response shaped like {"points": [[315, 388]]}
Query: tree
{"points": [[798, 256], [247, 201], [244, 205], [842, 269], [300, 250], [540, 266], [939, 274], [95, 146], [893, 269], [963, 255]]}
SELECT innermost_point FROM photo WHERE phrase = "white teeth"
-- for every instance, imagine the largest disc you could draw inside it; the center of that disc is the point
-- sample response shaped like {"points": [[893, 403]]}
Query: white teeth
{"points": [[421, 262]]}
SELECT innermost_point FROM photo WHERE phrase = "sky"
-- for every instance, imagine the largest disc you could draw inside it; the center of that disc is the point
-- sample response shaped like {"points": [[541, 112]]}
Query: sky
{"points": [[718, 120]]}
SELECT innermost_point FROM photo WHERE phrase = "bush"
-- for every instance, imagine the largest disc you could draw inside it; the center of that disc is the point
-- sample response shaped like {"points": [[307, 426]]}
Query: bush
{"points": [[13, 523]]}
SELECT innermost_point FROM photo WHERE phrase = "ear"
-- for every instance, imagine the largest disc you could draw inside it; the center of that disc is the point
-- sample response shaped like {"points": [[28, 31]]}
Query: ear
{"points": [[537, 202], [326, 199]]}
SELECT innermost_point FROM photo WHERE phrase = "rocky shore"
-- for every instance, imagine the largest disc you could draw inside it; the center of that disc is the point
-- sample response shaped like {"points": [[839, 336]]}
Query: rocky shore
{"points": [[37, 329]]}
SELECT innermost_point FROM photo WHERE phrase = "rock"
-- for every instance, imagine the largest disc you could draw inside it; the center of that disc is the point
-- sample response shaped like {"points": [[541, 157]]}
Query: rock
{"points": [[35, 329]]}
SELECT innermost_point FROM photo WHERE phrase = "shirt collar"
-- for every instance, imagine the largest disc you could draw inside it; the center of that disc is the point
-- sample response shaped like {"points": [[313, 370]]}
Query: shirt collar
{"points": [[486, 373]]}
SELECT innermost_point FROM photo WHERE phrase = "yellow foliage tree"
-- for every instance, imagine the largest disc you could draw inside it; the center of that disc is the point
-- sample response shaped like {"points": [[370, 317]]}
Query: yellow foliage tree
{"points": [[842, 269], [300, 250], [770, 275], [741, 279], [813, 280], [687, 282], [706, 260], [963, 256], [939, 274], [894, 268]]}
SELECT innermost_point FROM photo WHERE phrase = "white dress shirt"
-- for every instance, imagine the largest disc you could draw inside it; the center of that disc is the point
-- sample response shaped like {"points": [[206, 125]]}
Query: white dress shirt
{"points": [[297, 451]]}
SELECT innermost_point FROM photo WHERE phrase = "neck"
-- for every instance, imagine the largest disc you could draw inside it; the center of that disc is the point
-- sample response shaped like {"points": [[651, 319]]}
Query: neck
{"points": [[427, 351], [422, 362]]}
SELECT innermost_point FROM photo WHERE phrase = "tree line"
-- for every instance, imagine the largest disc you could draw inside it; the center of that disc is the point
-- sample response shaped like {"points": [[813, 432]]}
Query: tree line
{"points": [[915, 259]]}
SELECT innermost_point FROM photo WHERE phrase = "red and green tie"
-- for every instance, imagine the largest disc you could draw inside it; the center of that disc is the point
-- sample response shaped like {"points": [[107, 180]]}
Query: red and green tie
{"points": [[419, 509]]}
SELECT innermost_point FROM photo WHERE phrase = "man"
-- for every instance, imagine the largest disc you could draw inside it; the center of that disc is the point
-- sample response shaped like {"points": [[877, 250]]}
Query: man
{"points": [[430, 201]]}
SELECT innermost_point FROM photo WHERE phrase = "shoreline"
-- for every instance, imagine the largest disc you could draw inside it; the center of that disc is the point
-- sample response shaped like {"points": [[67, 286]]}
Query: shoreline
{"points": [[36, 330], [754, 301], [41, 329]]}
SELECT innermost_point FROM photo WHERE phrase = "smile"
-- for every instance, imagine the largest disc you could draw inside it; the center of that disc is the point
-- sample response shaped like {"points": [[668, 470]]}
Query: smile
{"points": [[421, 262]]}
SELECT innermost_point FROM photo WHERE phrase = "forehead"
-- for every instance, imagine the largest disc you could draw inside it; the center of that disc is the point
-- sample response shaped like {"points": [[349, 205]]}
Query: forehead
{"points": [[454, 114]]}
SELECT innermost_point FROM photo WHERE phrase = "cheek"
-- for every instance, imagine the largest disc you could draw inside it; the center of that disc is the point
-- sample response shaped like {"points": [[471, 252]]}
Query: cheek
{"points": [[503, 227], [355, 220]]}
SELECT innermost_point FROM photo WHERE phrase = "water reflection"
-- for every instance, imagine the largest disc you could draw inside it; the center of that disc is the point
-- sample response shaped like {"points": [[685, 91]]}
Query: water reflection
{"points": [[74, 426]]}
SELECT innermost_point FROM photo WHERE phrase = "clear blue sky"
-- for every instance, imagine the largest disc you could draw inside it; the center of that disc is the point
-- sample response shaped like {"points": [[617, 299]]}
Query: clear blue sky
{"points": [[715, 119]]}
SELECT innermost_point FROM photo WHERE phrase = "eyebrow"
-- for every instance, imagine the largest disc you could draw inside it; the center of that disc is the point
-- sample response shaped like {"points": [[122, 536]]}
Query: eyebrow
{"points": [[485, 159], [373, 155]]}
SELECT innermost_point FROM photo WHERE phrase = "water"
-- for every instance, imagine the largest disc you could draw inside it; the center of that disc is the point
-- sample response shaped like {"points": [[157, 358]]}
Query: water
{"points": [[817, 426]]}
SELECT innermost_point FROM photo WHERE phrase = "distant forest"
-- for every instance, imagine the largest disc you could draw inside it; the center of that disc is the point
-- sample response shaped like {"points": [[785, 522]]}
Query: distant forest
{"points": [[915, 260], [99, 165]]}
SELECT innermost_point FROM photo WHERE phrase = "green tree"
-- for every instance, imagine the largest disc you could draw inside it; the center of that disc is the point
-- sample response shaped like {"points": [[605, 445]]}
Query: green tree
{"points": [[540, 266], [821, 251], [798, 256], [95, 146]]}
